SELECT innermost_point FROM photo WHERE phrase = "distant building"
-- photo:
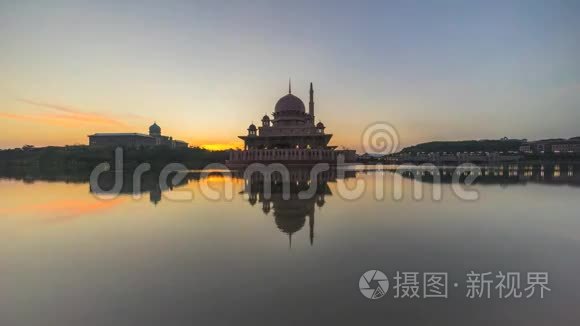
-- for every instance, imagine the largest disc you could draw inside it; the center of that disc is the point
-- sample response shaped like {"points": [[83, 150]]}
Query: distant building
{"points": [[180, 144], [121, 139], [290, 136], [571, 145], [135, 139]]}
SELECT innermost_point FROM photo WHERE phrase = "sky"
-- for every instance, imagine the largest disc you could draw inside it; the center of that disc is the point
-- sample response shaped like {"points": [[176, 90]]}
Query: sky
{"points": [[205, 70]]}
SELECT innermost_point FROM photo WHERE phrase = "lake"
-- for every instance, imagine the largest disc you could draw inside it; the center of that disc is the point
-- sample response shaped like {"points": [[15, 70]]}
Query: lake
{"points": [[174, 256]]}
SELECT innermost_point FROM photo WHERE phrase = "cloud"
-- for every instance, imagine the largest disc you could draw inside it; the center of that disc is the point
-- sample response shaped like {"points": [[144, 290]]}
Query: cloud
{"points": [[50, 106], [45, 119], [64, 115]]}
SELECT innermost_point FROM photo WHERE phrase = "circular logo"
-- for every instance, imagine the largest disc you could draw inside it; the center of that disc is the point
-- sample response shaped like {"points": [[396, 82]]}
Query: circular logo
{"points": [[380, 138], [373, 284]]}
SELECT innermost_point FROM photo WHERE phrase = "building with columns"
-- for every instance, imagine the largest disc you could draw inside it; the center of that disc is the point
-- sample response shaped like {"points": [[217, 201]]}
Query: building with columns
{"points": [[133, 139], [290, 135]]}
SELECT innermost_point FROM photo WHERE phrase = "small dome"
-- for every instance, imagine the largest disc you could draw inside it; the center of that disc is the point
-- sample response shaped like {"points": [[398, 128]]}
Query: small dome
{"points": [[290, 102], [154, 129], [252, 127], [320, 125], [266, 118]]}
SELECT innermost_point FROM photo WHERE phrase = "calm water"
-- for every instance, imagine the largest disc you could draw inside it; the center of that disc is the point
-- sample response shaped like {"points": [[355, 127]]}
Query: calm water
{"points": [[70, 258]]}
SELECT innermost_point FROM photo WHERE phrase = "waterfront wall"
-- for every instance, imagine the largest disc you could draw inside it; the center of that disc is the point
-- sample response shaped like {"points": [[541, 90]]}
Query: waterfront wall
{"points": [[290, 155]]}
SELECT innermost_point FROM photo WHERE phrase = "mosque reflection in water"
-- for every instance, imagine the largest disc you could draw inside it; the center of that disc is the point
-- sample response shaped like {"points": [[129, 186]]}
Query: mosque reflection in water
{"points": [[305, 195], [517, 174], [504, 175], [291, 214]]}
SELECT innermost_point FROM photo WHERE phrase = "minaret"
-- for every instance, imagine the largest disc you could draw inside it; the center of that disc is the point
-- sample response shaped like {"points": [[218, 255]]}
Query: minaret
{"points": [[311, 104]]}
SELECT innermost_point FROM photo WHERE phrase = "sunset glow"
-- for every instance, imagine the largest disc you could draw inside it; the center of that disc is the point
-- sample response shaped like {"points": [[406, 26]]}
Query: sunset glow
{"points": [[277, 162], [205, 72]]}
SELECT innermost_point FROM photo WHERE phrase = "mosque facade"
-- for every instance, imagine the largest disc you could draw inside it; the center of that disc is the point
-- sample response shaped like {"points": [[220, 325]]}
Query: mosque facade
{"points": [[290, 135]]}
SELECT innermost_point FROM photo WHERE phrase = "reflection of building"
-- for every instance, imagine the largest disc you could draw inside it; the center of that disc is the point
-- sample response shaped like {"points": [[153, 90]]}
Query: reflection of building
{"points": [[551, 173], [571, 145], [291, 200], [290, 136], [155, 195], [289, 214], [548, 173], [443, 158], [149, 183], [135, 139]]}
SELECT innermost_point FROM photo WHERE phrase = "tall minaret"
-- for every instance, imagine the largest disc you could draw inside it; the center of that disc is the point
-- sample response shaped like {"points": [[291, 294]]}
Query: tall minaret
{"points": [[311, 104]]}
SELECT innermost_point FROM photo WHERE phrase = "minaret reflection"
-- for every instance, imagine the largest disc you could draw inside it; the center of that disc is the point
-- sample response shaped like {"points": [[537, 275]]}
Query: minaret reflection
{"points": [[290, 214], [155, 195]]}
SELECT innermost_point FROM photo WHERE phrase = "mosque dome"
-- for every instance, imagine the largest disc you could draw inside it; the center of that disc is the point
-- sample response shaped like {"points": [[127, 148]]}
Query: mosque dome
{"points": [[289, 224], [266, 118], [252, 127], [320, 125], [289, 102], [154, 129]]}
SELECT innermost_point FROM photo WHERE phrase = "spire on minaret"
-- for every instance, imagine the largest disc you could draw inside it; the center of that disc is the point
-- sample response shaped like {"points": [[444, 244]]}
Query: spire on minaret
{"points": [[289, 85], [311, 104]]}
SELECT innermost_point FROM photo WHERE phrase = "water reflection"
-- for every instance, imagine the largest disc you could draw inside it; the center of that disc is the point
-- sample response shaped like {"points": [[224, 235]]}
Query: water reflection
{"points": [[150, 184], [290, 214], [504, 175], [174, 260], [554, 174]]}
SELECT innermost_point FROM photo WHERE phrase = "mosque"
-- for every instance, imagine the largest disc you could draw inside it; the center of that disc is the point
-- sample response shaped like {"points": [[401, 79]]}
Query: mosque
{"points": [[289, 136]]}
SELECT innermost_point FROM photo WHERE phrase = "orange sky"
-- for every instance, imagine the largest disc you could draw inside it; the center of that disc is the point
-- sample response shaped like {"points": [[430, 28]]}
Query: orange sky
{"points": [[55, 124], [41, 123], [204, 71]]}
